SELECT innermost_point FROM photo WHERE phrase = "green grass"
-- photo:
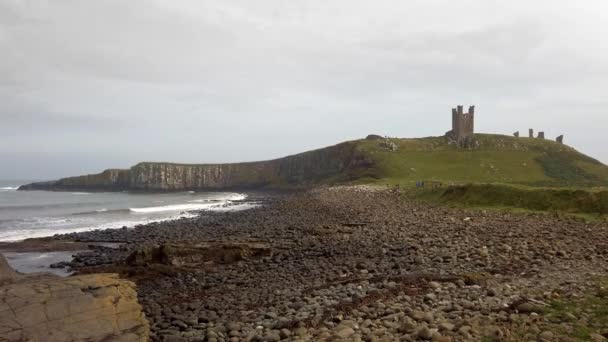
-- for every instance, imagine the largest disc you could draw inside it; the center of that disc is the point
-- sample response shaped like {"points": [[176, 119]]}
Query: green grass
{"points": [[495, 159], [593, 308], [591, 203]]}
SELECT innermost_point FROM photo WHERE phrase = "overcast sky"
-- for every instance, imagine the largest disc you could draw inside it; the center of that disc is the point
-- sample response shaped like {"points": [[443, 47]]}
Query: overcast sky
{"points": [[89, 85]]}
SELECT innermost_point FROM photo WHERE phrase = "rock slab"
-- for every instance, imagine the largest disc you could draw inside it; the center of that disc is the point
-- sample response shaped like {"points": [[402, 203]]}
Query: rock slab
{"points": [[95, 307]]}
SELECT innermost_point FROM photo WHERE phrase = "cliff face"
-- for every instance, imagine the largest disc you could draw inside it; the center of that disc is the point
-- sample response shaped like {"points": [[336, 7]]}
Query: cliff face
{"points": [[298, 170]]}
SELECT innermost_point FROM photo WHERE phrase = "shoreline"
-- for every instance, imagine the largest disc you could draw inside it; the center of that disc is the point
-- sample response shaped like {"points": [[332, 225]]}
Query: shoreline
{"points": [[29, 250], [352, 263]]}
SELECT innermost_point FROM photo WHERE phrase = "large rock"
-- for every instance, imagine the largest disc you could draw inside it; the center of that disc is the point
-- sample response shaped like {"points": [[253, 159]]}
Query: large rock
{"points": [[95, 307], [185, 255]]}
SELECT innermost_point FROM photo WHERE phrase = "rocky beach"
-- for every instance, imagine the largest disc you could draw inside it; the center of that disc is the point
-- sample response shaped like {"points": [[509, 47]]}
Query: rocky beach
{"points": [[360, 263]]}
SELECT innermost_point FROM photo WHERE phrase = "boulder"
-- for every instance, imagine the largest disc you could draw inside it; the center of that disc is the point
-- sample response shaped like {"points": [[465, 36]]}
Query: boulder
{"points": [[95, 307]]}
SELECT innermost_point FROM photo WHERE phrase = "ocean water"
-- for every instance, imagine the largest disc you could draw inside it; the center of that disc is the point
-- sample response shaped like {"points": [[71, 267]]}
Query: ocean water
{"points": [[26, 214]]}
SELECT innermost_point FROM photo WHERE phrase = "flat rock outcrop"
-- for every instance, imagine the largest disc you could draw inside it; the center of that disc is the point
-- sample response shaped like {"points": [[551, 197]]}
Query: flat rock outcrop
{"points": [[95, 307], [185, 255]]}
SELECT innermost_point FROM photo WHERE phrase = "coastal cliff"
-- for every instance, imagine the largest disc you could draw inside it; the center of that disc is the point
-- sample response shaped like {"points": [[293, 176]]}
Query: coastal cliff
{"points": [[298, 170], [489, 158]]}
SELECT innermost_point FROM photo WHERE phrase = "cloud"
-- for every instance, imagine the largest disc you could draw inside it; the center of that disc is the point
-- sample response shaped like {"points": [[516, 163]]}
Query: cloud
{"points": [[230, 80]]}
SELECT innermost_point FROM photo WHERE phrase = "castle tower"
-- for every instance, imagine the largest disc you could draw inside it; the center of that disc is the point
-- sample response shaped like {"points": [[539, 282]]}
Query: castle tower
{"points": [[463, 124]]}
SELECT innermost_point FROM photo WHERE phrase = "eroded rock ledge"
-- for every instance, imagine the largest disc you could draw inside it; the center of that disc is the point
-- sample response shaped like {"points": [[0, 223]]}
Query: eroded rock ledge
{"points": [[95, 307]]}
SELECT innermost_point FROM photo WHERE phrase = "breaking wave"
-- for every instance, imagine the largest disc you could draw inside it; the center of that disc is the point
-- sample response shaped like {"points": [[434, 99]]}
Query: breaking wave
{"points": [[206, 204]]}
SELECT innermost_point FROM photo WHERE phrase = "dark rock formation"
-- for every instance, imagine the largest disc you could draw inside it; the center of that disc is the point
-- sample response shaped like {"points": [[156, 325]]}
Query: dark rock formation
{"points": [[541, 135], [530, 133], [297, 170], [516, 134], [560, 139], [187, 255]]}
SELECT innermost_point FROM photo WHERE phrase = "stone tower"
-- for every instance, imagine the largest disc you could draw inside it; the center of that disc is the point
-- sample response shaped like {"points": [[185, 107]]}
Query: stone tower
{"points": [[463, 124]]}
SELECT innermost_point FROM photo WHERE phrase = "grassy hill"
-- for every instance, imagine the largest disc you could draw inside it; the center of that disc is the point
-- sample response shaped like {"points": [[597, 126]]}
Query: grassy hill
{"points": [[491, 159], [494, 159]]}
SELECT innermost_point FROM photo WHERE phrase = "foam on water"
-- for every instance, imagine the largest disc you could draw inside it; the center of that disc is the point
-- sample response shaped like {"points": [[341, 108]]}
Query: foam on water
{"points": [[30, 219], [202, 204], [21, 234], [9, 188]]}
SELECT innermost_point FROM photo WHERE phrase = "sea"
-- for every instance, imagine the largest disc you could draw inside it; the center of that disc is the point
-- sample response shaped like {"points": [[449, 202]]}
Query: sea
{"points": [[29, 214]]}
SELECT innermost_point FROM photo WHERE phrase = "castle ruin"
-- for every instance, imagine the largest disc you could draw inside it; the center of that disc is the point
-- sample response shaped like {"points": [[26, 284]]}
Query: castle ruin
{"points": [[463, 124]]}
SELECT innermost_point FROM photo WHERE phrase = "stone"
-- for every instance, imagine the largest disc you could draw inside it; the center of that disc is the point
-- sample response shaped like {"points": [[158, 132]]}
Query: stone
{"points": [[528, 307], [285, 333], [531, 133], [560, 139], [344, 332], [301, 331], [407, 326], [597, 338], [546, 336], [434, 285], [233, 326], [424, 333], [516, 134], [446, 326], [94, 307], [541, 135], [271, 337], [493, 332]]}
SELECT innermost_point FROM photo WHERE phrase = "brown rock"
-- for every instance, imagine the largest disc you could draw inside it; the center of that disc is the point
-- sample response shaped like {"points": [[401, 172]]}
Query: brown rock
{"points": [[92, 307], [7, 274]]}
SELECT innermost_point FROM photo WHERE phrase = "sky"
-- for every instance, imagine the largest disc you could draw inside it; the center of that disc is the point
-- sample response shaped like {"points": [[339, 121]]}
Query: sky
{"points": [[90, 85]]}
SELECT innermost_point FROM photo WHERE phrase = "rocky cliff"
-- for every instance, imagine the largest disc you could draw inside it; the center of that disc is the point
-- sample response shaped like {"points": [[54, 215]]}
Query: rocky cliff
{"points": [[298, 170], [43, 307], [489, 159]]}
